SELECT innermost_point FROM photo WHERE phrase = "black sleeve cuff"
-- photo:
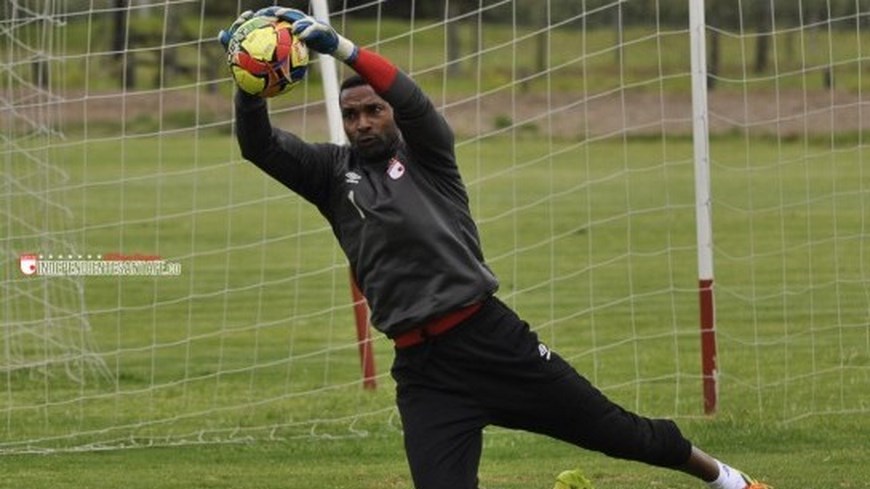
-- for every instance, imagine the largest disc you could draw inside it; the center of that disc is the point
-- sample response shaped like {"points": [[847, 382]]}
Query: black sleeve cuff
{"points": [[246, 102]]}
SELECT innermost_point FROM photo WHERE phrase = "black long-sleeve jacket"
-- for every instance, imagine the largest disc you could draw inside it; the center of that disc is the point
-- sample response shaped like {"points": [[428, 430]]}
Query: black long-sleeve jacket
{"points": [[403, 223]]}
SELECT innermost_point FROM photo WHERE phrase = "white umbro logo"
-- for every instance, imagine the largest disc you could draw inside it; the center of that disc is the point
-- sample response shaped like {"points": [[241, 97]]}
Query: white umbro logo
{"points": [[352, 177]]}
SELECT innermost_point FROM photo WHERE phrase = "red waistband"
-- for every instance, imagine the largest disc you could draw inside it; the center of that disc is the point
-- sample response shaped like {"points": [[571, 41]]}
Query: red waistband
{"points": [[435, 327]]}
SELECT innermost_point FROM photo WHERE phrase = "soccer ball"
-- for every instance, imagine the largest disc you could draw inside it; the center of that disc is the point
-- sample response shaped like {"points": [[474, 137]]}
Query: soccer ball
{"points": [[265, 58]]}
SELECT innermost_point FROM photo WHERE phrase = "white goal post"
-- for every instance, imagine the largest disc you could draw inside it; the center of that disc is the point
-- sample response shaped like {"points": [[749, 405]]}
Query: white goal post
{"points": [[703, 202], [158, 289]]}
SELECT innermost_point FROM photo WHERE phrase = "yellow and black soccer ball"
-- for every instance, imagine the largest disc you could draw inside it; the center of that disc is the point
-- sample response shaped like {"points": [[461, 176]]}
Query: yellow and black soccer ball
{"points": [[265, 58]]}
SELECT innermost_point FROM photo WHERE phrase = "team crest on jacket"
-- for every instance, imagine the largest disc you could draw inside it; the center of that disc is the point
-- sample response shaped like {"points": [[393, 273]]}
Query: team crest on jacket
{"points": [[395, 169]]}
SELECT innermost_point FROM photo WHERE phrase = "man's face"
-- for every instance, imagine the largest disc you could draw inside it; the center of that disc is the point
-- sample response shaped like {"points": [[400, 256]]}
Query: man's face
{"points": [[368, 122]]}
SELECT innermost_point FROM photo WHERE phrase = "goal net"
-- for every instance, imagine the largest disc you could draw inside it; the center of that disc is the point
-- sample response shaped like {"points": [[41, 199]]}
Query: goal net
{"points": [[158, 289]]}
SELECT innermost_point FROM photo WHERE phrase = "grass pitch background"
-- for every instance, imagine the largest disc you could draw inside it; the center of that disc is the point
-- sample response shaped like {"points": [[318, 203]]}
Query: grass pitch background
{"points": [[594, 245]]}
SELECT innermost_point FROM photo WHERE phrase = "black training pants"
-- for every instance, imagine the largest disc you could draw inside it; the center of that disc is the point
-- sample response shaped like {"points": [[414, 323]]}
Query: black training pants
{"points": [[492, 370]]}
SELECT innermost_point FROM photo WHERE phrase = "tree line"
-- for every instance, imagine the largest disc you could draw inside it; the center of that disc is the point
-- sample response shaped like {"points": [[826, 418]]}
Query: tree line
{"points": [[759, 18], [726, 14]]}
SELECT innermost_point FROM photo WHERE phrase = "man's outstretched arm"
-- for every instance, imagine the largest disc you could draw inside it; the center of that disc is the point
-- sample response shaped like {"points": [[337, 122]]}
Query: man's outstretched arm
{"points": [[302, 167], [423, 128]]}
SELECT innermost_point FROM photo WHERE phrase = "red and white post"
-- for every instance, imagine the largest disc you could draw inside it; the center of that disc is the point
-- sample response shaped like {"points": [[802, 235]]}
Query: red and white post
{"points": [[329, 72], [363, 335], [703, 210]]}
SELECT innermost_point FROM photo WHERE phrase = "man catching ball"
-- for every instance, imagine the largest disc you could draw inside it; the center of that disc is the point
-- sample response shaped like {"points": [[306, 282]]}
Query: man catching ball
{"points": [[463, 359]]}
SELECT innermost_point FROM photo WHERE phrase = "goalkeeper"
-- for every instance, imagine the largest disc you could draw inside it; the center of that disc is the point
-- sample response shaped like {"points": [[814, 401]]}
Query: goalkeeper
{"points": [[463, 359]]}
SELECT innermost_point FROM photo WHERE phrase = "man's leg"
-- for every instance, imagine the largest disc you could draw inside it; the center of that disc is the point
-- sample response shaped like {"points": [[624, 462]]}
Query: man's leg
{"points": [[573, 410], [524, 385], [442, 424], [534, 389]]}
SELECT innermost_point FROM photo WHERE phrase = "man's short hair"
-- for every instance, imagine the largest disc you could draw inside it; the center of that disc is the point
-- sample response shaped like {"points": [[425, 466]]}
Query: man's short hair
{"points": [[352, 81]]}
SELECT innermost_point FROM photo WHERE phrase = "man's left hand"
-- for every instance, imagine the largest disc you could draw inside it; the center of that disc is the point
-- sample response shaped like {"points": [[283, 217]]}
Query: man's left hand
{"points": [[317, 35], [225, 35]]}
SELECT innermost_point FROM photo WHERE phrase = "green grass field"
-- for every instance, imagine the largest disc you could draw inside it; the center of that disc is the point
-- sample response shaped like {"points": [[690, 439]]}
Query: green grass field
{"points": [[594, 244], [815, 453]]}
